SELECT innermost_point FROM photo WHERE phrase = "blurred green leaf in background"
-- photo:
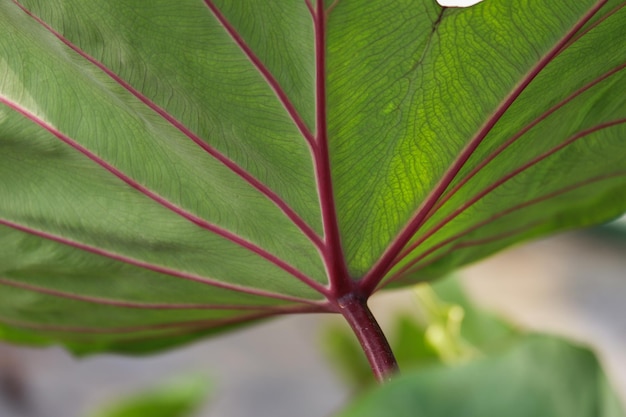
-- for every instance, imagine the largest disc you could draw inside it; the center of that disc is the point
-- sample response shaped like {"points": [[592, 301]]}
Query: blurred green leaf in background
{"points": [[540, 376], [178, 398]]}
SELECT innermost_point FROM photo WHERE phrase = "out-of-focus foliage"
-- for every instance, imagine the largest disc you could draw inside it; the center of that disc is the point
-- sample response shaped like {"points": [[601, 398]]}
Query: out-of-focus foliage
{"points": [[178, 398], [459, 360], [443, 328], [539, 376]]}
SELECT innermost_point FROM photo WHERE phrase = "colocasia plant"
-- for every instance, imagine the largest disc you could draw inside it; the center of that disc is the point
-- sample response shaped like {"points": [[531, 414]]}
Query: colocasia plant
{"points": [[172, 169]]}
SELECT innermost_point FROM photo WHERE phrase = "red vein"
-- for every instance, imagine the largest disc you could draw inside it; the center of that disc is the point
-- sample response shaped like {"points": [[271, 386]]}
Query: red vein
{"points": [[462, 245], [310, 7], [522, 132], [595, 24], [377, 272], [340, 282], [331, 248], [195, 324], [124, 303], [331, 8], [189, 325], [503, 180], [152, 267], [264, 71], [333, 258], [239, 171], [179, 328], [165, 203], [122, 340], [410, 267]]}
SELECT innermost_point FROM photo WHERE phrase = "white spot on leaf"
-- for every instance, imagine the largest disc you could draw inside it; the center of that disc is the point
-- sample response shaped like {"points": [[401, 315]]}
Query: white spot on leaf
{"points": [[458, 3]]}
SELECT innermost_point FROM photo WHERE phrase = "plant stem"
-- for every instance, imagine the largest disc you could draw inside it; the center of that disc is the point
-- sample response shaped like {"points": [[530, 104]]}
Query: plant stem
{"points": [[372, 339]]}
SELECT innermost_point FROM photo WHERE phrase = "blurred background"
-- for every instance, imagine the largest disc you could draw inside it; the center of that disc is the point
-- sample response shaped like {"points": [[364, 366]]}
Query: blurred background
{"points": [[572, 285]]}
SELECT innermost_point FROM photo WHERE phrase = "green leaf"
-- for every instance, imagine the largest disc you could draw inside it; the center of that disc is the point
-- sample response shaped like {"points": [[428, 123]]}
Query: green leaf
{"points": [[177, 398], [172, 170], [480, 328], [542, 376]]}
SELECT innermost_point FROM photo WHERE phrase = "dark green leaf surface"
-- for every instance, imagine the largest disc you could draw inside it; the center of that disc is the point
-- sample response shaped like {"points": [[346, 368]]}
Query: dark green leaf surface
{"points": [[542, 376], [179, 167]]}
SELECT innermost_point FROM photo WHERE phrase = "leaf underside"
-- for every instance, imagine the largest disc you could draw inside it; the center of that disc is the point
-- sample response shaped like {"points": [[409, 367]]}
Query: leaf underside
{"points": [[179, 168]]}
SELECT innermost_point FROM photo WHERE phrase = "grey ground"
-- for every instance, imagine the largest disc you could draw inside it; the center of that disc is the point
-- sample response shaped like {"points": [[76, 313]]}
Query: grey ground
{"points": [[571, 285]]}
